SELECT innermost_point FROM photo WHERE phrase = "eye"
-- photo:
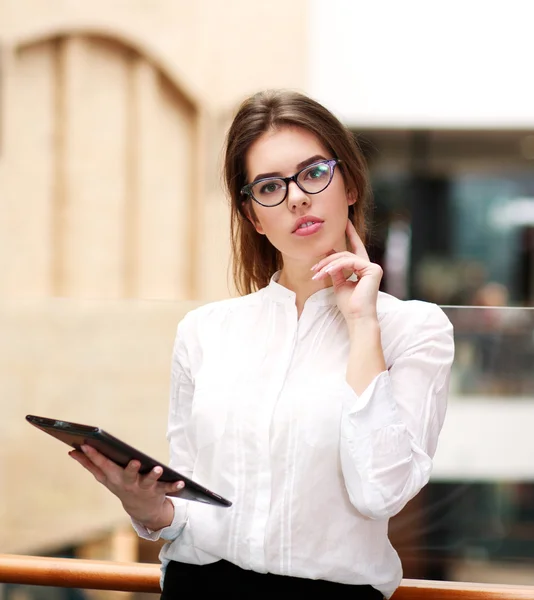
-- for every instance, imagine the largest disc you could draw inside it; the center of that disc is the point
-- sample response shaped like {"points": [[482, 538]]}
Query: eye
{"points": [[317, 172], [269, 187]]}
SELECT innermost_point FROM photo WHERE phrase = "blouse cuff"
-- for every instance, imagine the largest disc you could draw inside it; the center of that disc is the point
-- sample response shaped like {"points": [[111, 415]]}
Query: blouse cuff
{"points": [[366, 413], [171, 532]]}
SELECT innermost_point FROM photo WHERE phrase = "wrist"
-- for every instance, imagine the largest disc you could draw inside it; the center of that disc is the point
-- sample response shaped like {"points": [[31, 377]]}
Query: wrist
{"points": [[363, 325], [160, 519]]}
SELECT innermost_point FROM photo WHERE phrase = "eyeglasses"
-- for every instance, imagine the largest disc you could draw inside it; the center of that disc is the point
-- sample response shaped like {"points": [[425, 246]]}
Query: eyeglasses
{"points": [[272, 191]]}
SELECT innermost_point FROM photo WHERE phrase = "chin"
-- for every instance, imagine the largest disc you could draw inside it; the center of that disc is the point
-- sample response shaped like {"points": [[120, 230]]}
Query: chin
{"points": [[312, 249], [323, 247], [313, 253]]}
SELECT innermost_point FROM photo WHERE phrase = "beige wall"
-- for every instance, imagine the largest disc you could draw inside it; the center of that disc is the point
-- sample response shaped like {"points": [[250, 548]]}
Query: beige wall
{"points": [[218, 50], [101, 102], [100, 363], [112, 118]]}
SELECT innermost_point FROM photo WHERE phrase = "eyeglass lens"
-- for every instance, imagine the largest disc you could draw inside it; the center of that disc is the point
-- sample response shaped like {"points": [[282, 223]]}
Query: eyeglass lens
{"points": [[313, 179]]}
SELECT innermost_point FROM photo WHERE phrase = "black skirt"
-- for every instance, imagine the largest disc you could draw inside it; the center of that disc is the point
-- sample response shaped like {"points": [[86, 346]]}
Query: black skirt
{"points": [[226, 579]]}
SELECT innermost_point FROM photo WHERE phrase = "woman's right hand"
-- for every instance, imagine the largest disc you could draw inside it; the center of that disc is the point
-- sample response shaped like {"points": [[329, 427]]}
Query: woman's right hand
{"points": [[143, 496]]}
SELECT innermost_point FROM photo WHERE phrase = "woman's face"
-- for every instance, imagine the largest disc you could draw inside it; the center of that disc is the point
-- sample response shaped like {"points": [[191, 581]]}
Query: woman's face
{"points": [[282, 152]]}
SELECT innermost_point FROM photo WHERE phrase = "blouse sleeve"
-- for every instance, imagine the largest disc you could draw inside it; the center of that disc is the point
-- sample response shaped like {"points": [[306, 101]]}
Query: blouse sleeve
{"points": [[389, 433], [181, 448]]}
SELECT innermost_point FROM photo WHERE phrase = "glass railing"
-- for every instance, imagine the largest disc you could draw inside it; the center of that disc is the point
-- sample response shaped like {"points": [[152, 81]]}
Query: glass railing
{"points": [[475, 520], [494, 352]]}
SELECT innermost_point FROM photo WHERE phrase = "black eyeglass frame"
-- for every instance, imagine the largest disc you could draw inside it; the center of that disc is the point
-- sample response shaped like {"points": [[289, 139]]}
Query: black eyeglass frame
{"points": [[331, 162]]}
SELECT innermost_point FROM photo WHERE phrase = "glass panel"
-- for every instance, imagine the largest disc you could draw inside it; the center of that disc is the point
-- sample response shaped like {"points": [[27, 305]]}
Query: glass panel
{"points": [[475, 519], [494, 352]]}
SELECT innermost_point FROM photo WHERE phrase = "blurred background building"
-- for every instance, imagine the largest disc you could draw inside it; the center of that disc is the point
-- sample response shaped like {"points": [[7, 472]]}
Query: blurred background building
{"points": [[113, 224]]}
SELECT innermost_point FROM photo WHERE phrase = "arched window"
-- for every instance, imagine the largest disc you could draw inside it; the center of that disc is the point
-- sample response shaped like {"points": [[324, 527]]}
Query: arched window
{"points": [[100, 193]]}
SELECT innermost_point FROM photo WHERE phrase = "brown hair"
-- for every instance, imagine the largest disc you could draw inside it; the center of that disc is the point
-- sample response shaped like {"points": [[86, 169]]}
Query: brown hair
{"points": [[255, 259]]}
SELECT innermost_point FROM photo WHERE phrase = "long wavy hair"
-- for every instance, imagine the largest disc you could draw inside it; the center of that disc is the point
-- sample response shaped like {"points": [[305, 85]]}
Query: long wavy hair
{"points": [[254, 258]]}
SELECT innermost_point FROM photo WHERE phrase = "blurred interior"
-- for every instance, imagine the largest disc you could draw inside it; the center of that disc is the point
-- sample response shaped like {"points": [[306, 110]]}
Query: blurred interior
{"points": [[454, 214], [114, 224]]}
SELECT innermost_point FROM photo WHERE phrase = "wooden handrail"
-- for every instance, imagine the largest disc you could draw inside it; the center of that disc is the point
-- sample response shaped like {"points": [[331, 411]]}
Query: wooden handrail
{"points": [[78, 573], [143, 577], [419, 589]]}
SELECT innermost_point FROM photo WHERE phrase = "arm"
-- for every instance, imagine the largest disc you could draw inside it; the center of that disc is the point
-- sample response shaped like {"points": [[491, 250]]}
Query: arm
{"points": [[392, 419], [366, 358], [170, 522]]}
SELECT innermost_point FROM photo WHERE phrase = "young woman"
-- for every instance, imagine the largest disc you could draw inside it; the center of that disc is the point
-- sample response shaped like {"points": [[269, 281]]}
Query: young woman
{"points": [[312, 401]]}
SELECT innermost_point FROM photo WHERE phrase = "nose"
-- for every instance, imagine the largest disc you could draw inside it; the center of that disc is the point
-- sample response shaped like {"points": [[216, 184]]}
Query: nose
{"points": [[296, 197]]}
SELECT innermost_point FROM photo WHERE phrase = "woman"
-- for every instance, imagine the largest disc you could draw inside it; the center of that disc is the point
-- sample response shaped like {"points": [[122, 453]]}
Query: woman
{"points": [[313, 401]]}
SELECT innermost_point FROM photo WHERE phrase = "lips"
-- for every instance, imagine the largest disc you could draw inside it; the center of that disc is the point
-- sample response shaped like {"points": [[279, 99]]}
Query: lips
{"points": [[306, 221]]}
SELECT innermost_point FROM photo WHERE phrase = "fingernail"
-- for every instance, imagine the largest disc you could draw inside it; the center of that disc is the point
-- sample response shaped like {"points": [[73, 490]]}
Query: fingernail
{"points": [[316, 275], [180, 485], [314, 266], [84, 448]]}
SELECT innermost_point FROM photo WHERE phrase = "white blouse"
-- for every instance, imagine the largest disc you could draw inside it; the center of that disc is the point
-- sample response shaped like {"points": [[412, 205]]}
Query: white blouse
{"points": [[261, 413]]}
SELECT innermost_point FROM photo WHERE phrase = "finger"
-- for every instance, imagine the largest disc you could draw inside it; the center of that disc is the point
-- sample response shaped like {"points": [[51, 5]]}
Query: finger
{"points": [[341, 265], [150, 479], [95, 456], [97, 473], [351, 262], [173, 488], [328, 255], [330, 259], [107, 466], [338, 277], [356, 241], [131, 472], [357, 265]]}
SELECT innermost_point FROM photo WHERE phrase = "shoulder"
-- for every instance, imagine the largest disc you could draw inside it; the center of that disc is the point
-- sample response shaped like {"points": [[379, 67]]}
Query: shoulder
{"points": [[216, 317], [208, 327], [392, 311], [407, 324]]}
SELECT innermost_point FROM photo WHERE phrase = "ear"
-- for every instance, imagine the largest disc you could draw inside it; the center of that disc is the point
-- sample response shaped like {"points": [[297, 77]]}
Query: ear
{"points": [[249, 213], [352, 197]]}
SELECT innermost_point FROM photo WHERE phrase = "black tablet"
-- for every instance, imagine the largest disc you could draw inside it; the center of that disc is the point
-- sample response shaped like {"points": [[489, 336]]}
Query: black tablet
{"points": [[75, 434]]}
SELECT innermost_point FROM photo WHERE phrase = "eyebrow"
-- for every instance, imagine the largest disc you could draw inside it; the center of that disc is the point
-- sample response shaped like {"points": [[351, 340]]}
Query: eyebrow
{"points": [[301, 165]]}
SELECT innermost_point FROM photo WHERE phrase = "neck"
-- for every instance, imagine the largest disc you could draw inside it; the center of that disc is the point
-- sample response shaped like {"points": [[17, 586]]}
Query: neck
{"points": [[298, 279], [296, 275]]}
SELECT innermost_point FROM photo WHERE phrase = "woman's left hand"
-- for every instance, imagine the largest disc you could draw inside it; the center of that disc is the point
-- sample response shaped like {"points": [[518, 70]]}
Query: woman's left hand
{"points": [[355, 299]]}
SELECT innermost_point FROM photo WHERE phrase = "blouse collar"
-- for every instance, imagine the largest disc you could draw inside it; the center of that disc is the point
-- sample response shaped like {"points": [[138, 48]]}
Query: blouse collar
{"points": [[279, 293], [323, 297]]}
